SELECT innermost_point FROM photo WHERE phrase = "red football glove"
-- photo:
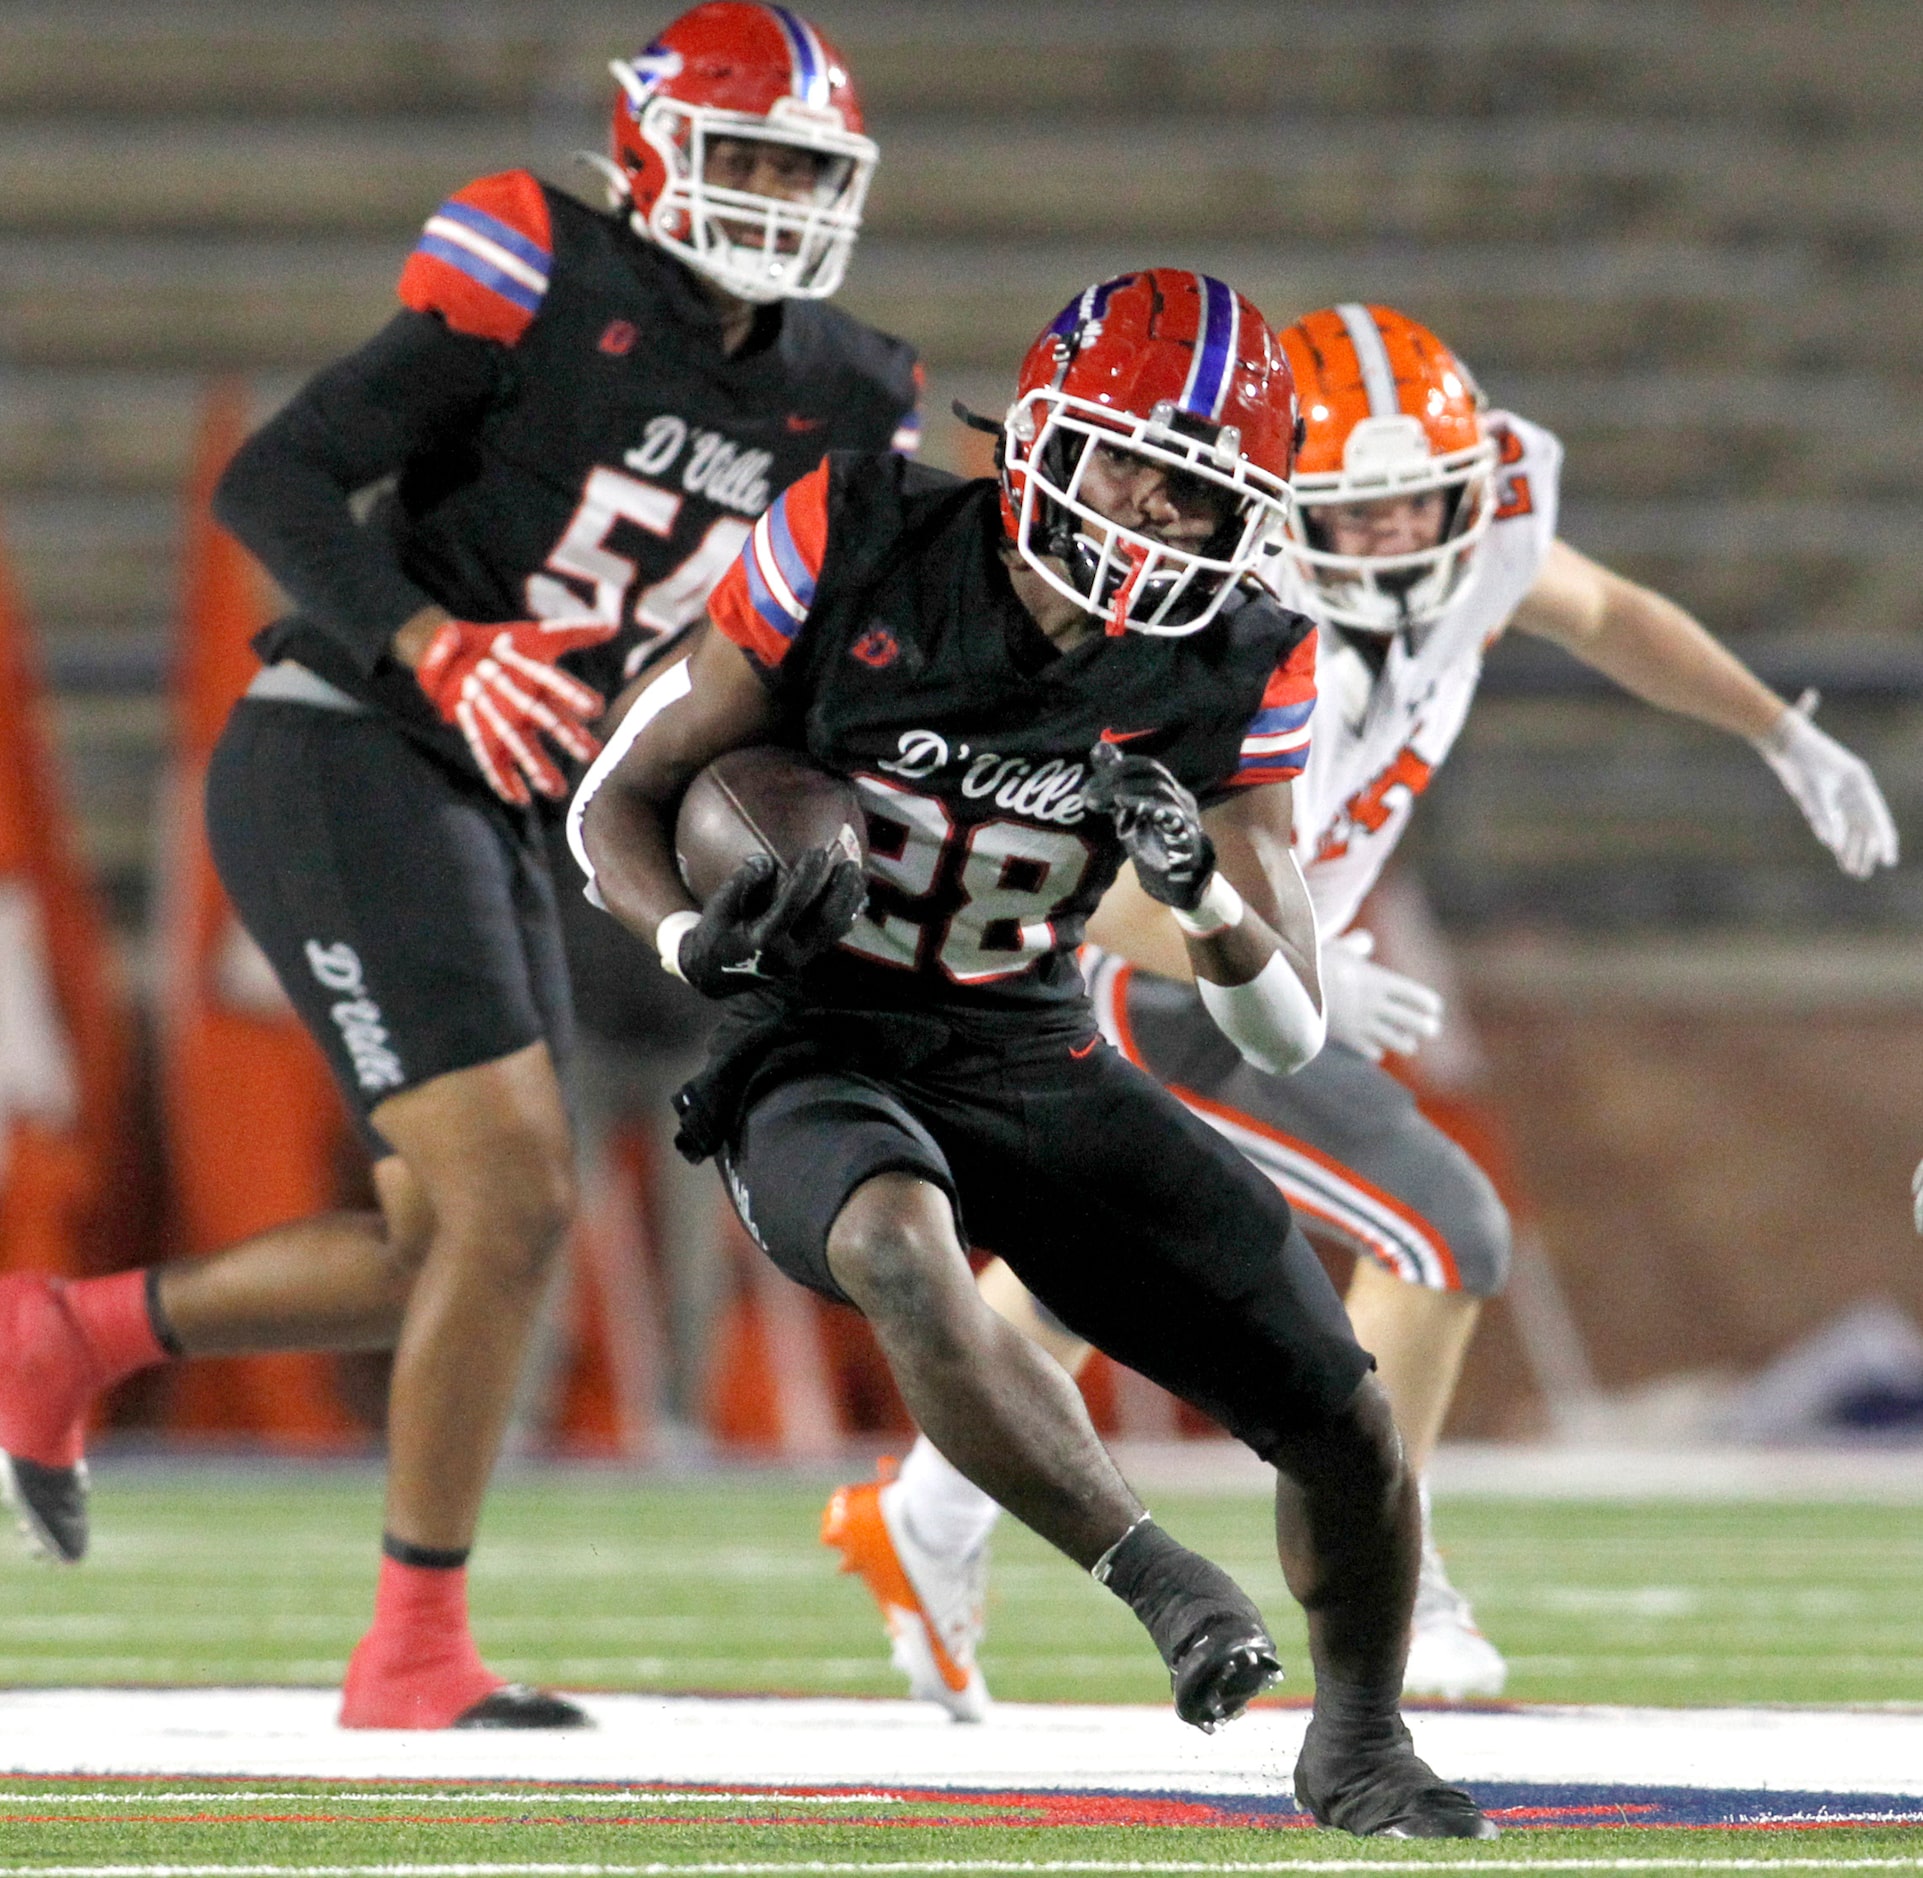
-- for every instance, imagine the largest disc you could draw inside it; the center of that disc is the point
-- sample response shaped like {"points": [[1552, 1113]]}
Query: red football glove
{"points": [[500, 688]]}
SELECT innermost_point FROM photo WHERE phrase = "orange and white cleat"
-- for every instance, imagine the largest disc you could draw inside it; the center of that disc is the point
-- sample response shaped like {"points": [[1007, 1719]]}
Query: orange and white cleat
{"points": [[933, 1606], [1448, 1654]]}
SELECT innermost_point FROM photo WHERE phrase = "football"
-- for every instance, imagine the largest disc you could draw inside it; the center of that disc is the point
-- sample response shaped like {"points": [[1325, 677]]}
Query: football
{"points": [[761, 800]]}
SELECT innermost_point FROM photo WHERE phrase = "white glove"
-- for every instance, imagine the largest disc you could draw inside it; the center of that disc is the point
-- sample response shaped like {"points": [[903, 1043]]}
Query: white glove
{"points": [[1834, 789], [1916, 1194], [1371, 1008]]}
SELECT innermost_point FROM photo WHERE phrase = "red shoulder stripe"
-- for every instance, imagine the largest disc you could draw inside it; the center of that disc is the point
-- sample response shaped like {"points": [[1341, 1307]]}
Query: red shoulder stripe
{"points": [[484, 259], [1275, 747], [764, 598]]}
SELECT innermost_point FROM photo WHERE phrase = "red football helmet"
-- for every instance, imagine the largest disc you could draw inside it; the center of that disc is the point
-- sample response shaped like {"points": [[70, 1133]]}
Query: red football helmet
{"points": [[1180, 370], [1388, 411], [728, 69]]}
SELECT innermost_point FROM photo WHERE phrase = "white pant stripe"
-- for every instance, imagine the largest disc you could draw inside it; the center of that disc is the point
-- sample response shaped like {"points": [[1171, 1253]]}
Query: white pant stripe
{"points": [[1305, 1182]]}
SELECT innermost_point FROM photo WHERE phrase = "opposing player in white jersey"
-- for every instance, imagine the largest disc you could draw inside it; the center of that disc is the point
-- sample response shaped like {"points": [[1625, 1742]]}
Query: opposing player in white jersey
{"points": [[1424, 527]]}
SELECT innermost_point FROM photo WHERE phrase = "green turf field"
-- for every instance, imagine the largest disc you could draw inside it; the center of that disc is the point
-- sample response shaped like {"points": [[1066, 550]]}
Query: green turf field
{"points": [[174, 1830], [720, 1584]]}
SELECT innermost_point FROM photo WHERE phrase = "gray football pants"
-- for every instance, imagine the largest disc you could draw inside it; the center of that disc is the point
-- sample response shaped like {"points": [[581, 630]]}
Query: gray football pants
{"points": [[1344, 1141]]}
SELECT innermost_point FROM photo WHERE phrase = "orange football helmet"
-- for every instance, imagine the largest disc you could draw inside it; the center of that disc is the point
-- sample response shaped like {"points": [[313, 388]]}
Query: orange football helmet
{"points": [[1173, 367], [1388, 411], [760, 73]]}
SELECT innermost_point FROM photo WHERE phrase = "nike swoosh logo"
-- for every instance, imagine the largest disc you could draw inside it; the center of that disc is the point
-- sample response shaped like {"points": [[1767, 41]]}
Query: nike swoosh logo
{"points": [[1084, 1050], [1128, 736], [799, 424]]}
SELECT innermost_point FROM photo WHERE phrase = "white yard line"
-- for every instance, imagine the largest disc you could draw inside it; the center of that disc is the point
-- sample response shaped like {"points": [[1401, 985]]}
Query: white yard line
{"points": [[267, 1735]]}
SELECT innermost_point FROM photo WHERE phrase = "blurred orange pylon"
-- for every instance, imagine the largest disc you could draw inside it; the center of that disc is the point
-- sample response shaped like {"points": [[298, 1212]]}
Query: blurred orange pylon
{"points": [[254, 1126], [69, 1174]]}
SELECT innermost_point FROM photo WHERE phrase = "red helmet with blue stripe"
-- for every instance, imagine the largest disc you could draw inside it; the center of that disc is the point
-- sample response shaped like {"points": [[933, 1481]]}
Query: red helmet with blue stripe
{"points": [[1177, 369], [763, 74]]}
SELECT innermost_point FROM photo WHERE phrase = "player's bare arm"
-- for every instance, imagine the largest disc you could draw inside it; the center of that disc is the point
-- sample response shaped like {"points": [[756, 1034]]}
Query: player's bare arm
{"points": [[1660, 653], [709, 704], [1645, 642], [1254, 963]]}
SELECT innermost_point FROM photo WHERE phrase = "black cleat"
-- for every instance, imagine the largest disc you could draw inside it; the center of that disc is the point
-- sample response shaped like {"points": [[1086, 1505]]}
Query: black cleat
{"points": [[1384, 1791], [50, 1506], [1221, 1670], [515, 1705]]}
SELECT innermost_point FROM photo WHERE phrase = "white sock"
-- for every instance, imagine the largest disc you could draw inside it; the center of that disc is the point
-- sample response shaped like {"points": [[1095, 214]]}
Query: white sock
{"points": [[943, 1508]]}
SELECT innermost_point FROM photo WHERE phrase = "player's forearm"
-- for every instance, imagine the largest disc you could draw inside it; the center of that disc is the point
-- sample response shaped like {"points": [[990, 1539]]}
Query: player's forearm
{"points": [[1660, 653], [1257, 973], [294, 516], [625, 831], [1278, 918], [289, 493]]}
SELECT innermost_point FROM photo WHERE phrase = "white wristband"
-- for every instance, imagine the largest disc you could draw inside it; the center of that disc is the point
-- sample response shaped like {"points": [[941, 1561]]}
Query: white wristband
{"points": [[668, 937], [1219, 908], [1272, 1019]]}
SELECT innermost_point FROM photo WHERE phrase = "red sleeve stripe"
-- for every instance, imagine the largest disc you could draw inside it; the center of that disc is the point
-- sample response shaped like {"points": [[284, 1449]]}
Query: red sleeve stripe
{"points": [[763, 599], [484, 258], [457, 240], [1275, 747], [736, 616], [1251, 774]]}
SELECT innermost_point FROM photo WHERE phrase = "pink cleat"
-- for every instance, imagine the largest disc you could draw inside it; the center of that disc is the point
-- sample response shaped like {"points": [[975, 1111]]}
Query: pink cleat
{"points": [[48, 1380]]}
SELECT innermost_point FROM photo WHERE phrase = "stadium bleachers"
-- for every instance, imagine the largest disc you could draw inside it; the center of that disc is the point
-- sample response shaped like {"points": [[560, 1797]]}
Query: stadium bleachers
{"points": [[1687, 238]]}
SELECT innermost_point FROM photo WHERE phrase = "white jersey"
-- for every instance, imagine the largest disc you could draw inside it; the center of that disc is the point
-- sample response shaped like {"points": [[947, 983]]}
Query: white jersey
{"points": [[1376, 741]]}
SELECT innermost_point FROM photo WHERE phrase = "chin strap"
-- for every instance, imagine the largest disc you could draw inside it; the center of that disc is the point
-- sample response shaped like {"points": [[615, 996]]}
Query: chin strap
{"points": [[613, 178], [1118, 612], [974, 419]]}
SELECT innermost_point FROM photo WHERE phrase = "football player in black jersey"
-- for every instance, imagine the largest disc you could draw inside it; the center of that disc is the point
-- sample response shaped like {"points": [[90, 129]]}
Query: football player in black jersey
{"points": [[1026, 683], [567, 435]]}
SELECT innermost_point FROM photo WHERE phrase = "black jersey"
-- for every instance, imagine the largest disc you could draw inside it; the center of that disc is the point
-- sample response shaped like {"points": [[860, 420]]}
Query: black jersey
{"points": [[873, 600], [552, 429]]}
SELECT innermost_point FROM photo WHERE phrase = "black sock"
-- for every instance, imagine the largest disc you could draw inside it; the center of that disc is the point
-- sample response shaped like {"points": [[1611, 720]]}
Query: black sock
{"points": [[425, 1557], [1358, 1714], [164, 1333], [1175, 1592]]}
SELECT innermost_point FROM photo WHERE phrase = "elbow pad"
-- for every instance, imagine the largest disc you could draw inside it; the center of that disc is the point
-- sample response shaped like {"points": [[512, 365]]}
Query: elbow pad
{"points": [[1271, 1019]]}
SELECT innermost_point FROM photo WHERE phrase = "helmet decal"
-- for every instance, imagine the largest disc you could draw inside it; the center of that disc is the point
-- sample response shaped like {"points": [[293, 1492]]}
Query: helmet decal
{"points": [[811, 63], [1215, 347], [1080, 322], [1372, 357], [651, 68]]}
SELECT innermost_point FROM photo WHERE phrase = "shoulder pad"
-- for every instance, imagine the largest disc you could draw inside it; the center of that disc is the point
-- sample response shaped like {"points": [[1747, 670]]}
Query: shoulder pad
{"points": [[878, 375], [1275, 746], [483, 260], [763, 600]]}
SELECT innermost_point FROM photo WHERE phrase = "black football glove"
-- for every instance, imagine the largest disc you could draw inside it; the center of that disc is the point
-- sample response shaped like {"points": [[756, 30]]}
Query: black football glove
{"points": [[1158, 822], [759, 925]]}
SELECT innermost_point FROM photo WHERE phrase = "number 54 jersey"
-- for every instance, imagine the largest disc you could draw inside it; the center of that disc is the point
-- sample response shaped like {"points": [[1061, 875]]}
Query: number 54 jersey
{"points": [[560, 434], [873, 601], [1380, 738]]}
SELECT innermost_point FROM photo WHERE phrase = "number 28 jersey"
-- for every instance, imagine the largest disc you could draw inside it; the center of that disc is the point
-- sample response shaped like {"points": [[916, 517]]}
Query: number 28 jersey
{"points": [[873, 601]]}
